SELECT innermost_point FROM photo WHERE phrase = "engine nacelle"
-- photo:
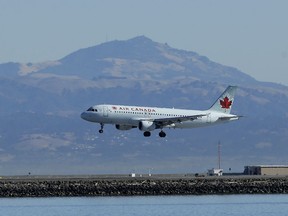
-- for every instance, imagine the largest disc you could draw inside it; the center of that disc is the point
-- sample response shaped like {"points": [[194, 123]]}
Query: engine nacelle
{"points": [[123, 127], [147, 126]]}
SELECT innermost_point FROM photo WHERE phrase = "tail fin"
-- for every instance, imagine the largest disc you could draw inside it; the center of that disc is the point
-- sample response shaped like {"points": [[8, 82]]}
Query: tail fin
{"points": [[225, 101]]}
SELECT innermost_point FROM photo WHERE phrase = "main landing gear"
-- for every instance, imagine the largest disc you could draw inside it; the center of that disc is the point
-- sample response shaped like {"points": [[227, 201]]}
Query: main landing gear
{"points": [[162, 134], [148, 134], [101, 129]]}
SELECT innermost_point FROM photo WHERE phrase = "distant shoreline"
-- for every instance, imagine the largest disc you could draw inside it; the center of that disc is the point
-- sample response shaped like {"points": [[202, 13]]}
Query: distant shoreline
{"points": [[121, 185]]}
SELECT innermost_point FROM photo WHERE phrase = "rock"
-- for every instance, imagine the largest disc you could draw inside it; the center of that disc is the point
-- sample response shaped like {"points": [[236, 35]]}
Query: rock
{"points": [[125, 187]]}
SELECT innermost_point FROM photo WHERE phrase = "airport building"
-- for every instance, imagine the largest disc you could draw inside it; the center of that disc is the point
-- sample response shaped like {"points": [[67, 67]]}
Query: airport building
{"points": [[215, 172], [266, 170]]}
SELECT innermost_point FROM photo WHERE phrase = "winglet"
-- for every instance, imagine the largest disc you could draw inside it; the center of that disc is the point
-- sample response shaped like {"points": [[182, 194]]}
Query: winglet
{"points": [[225, 102]]}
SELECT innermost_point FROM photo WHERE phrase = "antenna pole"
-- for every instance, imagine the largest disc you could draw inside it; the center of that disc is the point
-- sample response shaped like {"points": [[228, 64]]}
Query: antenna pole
{"points": [[219, 155]]}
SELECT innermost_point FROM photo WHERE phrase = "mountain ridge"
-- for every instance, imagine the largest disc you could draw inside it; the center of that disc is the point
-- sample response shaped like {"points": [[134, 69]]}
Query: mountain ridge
{"points": [[41, 128]]}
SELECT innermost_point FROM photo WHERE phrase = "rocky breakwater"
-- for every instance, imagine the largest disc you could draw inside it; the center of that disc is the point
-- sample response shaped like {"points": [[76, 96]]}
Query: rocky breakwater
{"points": [[141, 186]]}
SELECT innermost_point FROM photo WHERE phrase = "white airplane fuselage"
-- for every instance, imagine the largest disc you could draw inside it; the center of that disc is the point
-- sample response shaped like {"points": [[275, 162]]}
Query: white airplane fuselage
{"points": [[148, 119], [132, 115]]}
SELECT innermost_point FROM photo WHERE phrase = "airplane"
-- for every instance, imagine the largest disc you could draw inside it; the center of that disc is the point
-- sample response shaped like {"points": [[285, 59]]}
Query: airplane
{"points": [[147, 119]]}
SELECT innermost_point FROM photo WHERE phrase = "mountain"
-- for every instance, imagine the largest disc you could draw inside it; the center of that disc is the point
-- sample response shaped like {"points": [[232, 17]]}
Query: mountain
{"points": [[41, 131]]}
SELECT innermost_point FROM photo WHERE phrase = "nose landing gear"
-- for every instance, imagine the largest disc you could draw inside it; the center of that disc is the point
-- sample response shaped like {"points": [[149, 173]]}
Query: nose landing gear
{"points": [[101, 129]]}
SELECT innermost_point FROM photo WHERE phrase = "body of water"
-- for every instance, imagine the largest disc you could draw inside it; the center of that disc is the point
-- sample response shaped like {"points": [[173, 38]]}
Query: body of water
{"points": [[258, 205]]}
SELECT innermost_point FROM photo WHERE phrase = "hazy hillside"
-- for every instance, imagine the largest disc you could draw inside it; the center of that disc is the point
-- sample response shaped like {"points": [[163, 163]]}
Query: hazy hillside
{"points": [[41, 131]]}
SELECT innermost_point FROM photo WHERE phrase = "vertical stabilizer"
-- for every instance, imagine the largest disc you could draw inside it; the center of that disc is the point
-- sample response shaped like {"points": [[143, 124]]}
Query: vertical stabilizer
{"points": [[225, 102]]}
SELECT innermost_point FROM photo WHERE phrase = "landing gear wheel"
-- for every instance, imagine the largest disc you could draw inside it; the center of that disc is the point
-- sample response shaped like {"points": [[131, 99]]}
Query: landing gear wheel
{"points": [[162, 134], [147, 134], [102, 126]]}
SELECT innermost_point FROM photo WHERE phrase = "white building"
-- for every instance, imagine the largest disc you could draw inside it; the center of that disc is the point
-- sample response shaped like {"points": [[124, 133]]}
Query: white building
{"points": [[215, 172]]}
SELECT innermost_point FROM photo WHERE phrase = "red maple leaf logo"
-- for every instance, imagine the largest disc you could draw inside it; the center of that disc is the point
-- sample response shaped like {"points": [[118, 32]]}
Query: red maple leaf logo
{"points": [[225, 103]]}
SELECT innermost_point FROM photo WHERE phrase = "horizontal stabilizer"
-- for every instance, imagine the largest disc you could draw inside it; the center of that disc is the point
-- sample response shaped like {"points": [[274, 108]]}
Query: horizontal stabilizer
{"points": [[226, 118]]}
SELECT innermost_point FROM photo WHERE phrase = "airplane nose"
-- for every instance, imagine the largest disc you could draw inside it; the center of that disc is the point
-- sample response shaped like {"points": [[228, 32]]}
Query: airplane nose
{"points": [[84, 115], [87, 116]]}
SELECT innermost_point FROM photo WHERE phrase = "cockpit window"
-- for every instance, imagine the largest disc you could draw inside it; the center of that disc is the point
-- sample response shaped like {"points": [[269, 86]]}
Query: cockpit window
{"points": [[91, 109]]}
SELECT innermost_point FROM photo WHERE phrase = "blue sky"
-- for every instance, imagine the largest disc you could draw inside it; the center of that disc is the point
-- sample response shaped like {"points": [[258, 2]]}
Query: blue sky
{"points": [[251, 35]]}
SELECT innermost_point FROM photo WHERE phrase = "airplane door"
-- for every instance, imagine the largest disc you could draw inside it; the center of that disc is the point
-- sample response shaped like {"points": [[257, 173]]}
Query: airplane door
{"points": [[105, 111]]}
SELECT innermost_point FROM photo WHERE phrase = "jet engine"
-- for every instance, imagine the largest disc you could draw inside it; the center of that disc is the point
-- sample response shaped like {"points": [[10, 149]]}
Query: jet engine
{"points": [[124, 127], [147, 125]]}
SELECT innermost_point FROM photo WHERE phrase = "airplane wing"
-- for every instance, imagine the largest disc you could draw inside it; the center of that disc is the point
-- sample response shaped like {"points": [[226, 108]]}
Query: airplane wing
{"points": [[170, 120]]}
